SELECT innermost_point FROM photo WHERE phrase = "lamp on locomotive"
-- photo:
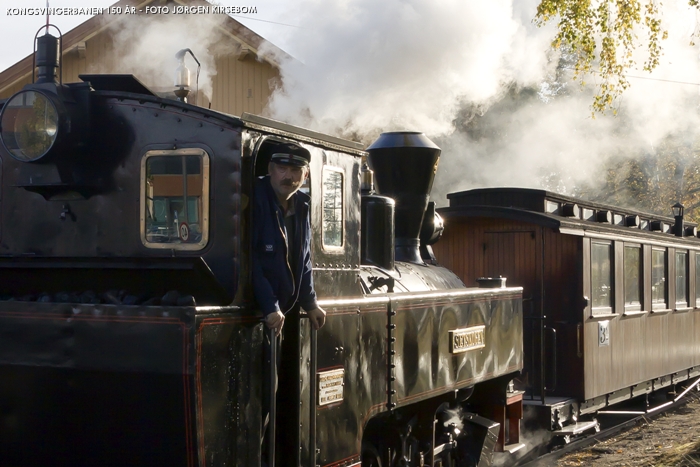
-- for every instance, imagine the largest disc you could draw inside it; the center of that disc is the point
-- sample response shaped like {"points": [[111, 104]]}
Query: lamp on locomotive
{"points": [[36, 121]]}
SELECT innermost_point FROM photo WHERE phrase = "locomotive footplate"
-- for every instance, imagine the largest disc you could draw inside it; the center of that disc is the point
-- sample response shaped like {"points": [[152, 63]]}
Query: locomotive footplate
{"points": [[578, 428], [554, 412]]}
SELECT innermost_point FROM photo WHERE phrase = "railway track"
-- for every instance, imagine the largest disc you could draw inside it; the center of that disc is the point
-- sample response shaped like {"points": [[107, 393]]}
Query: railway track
{"points": [[611, 425]]}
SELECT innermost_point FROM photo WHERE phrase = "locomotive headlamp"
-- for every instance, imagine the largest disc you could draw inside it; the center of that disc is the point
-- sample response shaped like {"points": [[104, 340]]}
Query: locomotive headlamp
{"points": [[30, 125]]}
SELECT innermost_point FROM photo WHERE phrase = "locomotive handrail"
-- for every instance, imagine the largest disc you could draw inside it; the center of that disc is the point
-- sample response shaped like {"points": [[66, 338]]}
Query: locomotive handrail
{"points": [[579, 351], [554, 358], [312, 396], [272, 397]]}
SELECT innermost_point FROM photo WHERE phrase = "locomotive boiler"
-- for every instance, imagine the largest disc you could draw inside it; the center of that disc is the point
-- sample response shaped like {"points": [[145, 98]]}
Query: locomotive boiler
{"points": [[128, 331]]}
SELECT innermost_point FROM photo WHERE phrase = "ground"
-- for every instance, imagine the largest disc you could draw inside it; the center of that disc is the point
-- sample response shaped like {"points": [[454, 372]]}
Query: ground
{"points": [[669, 439]]}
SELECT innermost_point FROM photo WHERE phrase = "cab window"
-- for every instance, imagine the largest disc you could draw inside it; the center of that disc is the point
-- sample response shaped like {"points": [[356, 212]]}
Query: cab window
{"points": [[332, 208], [175, 199]]}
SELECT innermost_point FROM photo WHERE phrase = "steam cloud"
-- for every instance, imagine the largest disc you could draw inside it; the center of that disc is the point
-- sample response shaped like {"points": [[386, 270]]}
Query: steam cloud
{"points": [[147, 44], [364, 67]]}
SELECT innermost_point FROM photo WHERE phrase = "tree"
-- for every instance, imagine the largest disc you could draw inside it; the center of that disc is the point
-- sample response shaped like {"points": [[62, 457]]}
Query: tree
{"points": [[606, 30], [653, 182]]}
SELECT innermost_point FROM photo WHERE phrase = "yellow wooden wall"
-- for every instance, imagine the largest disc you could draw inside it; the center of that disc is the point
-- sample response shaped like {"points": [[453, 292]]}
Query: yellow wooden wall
{"points": [[238, 86]]}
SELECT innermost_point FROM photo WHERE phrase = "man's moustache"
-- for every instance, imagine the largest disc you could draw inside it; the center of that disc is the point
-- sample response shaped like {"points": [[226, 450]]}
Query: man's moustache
{"points": [[287, 183]]}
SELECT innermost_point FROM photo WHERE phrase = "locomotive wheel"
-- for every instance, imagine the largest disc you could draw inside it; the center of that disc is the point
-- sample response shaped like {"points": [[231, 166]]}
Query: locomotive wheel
{"points": [[371, 457]]}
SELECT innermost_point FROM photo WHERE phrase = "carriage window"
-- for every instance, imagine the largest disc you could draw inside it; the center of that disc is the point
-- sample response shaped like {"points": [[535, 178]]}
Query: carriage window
{"points": [[658, 279], [601, 277], [633, 278], [332, 207], [175, 199], [697, 279], [681, 279]]}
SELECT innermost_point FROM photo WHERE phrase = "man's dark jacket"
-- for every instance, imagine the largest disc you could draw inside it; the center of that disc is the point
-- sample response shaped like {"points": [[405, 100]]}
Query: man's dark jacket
{"points": [[276, 287]]}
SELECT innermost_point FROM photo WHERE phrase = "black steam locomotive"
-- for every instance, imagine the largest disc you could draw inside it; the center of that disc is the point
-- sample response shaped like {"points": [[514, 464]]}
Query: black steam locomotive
{"points": [[128, 331], [129, 334]]}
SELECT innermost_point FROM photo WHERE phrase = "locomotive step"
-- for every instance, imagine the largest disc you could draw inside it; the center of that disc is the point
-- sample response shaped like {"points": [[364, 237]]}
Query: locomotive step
{"points": [[513, 448], [577, 428]]}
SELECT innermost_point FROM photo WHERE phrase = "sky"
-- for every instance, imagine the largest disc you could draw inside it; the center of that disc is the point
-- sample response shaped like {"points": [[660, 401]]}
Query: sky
{"points": [[17, 31]]}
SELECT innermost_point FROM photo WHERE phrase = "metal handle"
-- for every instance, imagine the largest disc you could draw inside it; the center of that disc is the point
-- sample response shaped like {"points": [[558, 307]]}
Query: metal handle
{"points": [[579, 350], [312, 397], [272, 397], [554, 358]]}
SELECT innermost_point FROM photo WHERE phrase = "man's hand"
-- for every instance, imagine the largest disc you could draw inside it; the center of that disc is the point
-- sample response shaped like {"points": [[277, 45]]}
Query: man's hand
{"points": [[275, 321], [317, 317]]}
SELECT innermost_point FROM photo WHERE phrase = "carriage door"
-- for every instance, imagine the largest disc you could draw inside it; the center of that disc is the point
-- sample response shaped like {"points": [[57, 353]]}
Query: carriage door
{"points": [[513, 255]]}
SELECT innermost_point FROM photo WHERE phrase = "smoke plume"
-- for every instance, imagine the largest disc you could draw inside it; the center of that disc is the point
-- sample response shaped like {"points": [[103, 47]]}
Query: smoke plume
{"points": [[481, 80], [146, 46]]}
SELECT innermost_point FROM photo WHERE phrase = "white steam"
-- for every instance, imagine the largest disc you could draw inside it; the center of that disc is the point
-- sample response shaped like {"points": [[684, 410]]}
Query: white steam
{"points": [[146, 46], [364, 67]]}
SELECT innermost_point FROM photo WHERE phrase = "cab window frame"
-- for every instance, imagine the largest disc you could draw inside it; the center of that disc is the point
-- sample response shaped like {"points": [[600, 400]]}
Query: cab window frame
{"points": [[203, 215], [328, 247]]}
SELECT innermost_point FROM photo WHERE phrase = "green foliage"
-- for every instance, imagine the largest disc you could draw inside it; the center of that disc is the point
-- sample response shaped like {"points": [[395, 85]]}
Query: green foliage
{"points": [[604, 33]]}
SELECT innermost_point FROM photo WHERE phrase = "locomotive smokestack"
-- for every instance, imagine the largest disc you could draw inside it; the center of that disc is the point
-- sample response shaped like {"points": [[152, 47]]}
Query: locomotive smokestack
{"points": [[47, 58], [404, 165]]}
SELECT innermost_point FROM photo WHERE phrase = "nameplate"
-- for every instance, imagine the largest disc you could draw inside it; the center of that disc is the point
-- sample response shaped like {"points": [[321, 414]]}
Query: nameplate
{"points": [[330, 386], [466, 339]]}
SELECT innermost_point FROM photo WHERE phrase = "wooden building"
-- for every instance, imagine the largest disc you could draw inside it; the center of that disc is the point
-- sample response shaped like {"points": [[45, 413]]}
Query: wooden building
{"points": [[611, 295], [243, 82]]}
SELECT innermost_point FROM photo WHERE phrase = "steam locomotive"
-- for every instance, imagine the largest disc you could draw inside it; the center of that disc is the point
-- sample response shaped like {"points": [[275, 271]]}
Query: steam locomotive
{"points": [[128, 331], [129, 334]]}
